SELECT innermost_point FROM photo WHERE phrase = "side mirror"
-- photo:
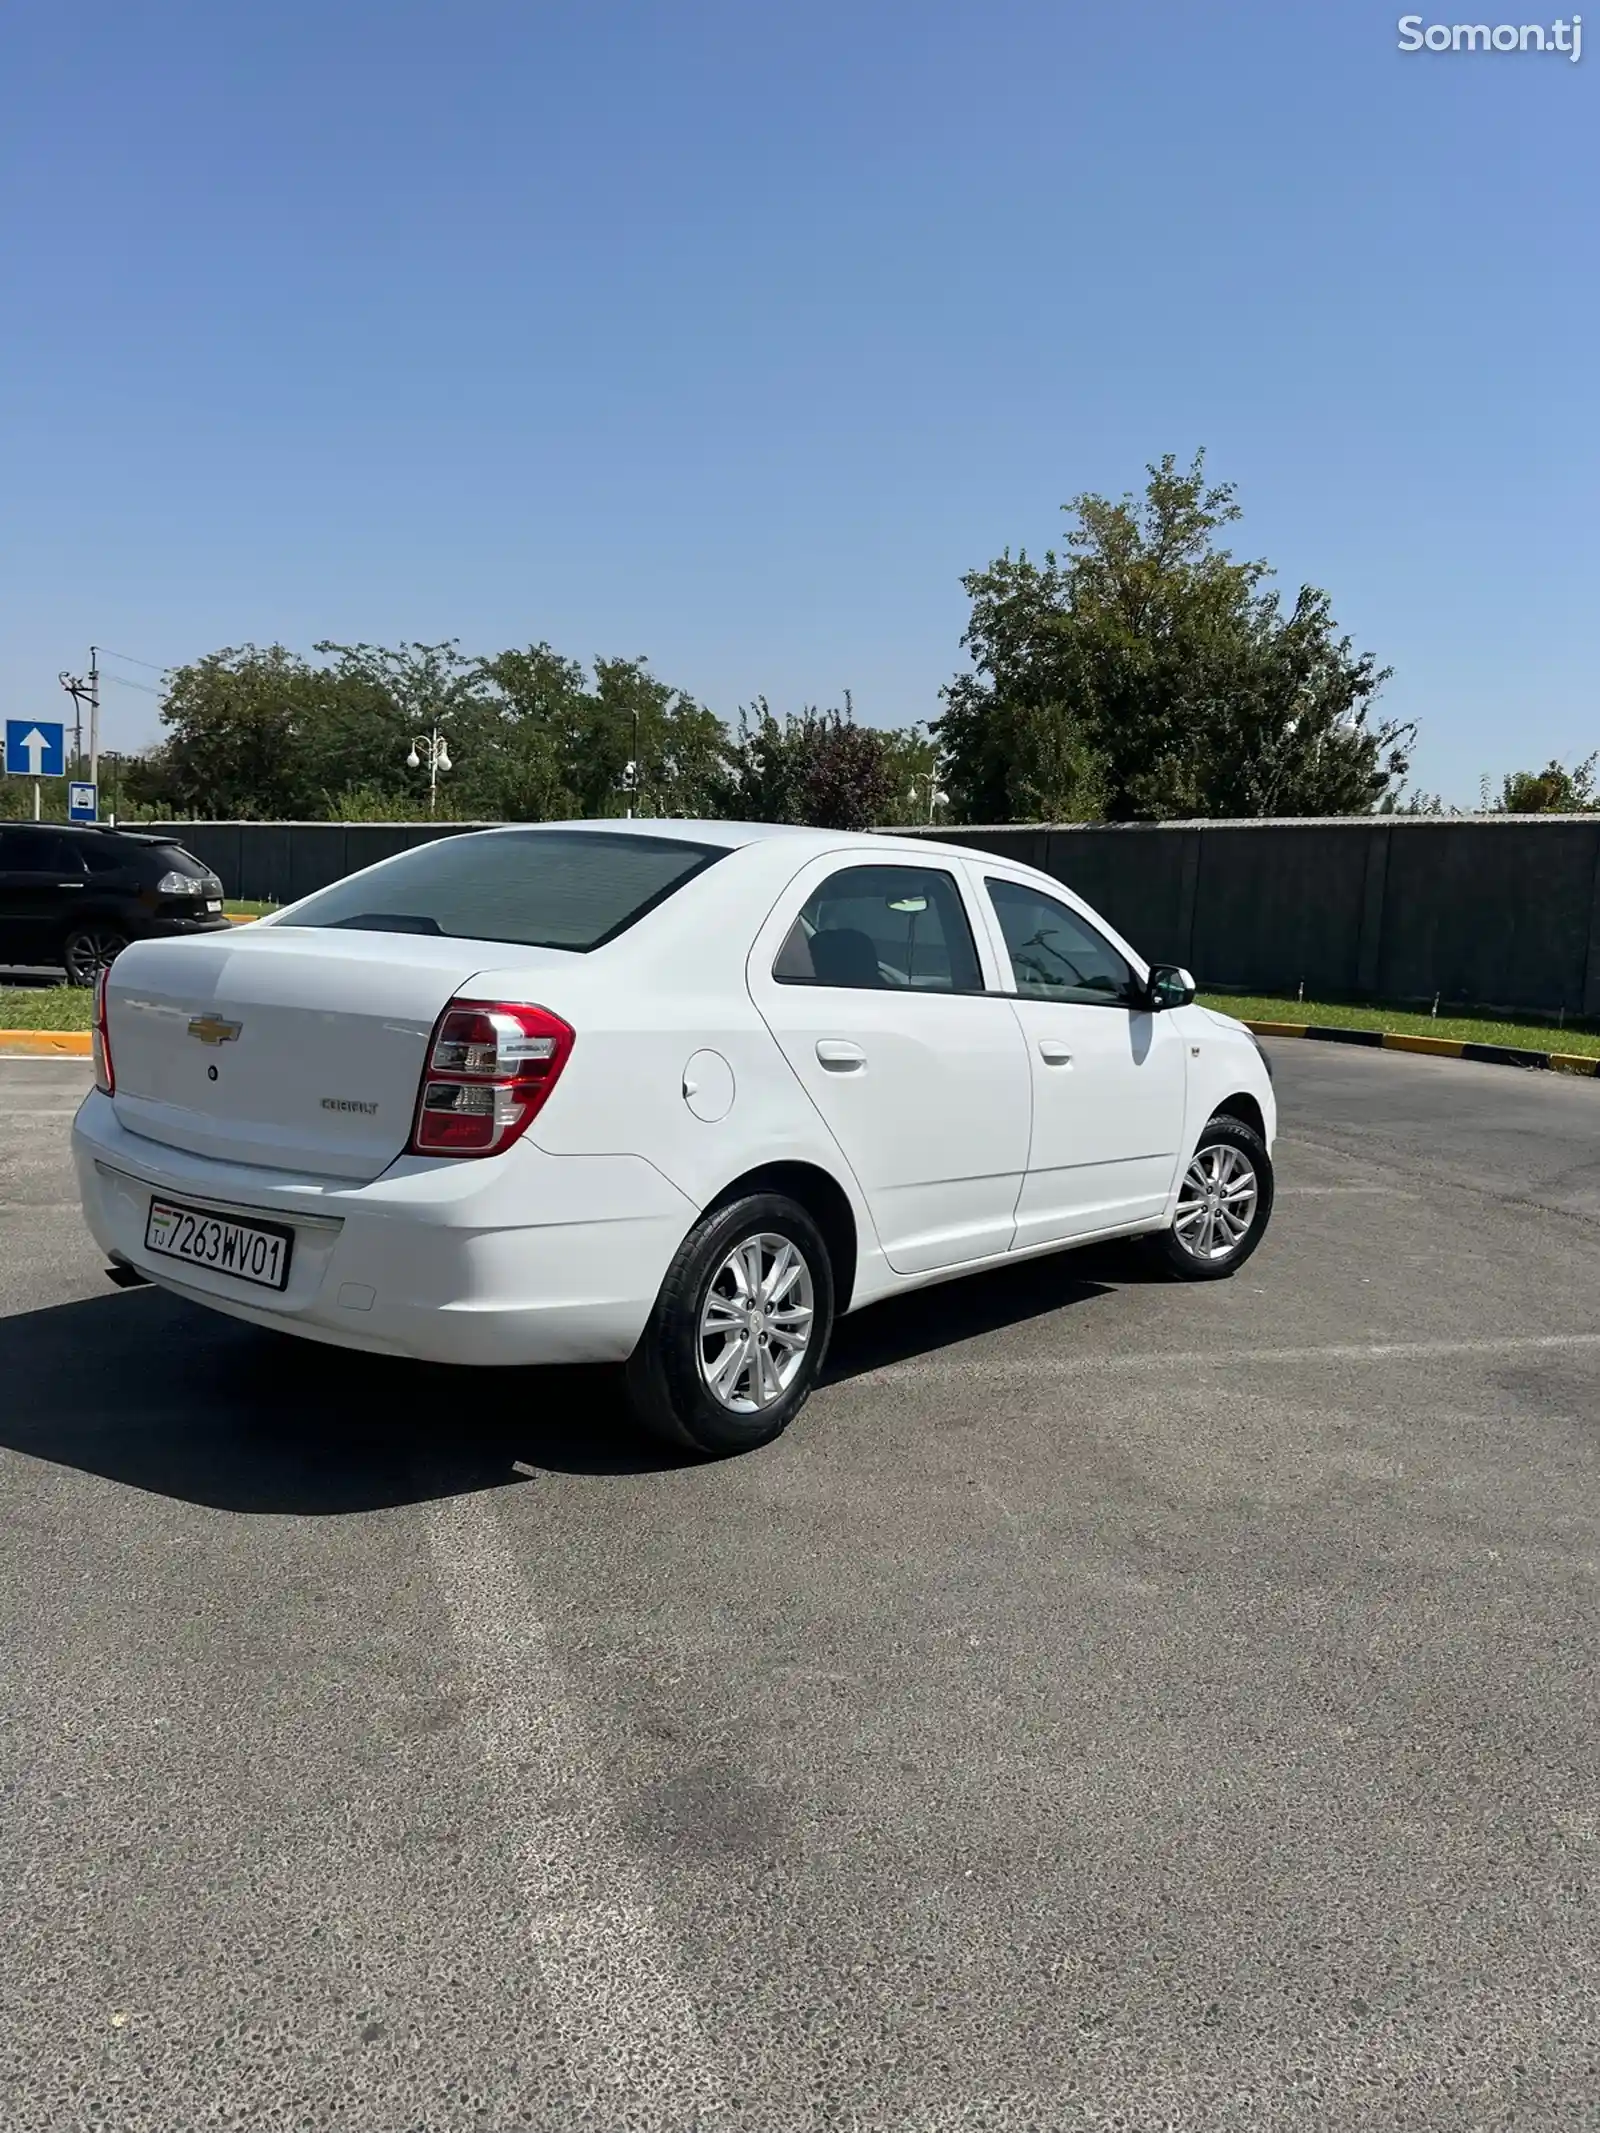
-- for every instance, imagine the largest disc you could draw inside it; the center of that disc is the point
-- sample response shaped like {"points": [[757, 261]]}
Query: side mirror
{"points": [[1168, 986]]}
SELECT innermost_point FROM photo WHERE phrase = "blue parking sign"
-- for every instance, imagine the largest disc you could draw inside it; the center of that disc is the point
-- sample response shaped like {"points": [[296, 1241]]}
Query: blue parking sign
{"points": [[82, 802], [35, 748]]}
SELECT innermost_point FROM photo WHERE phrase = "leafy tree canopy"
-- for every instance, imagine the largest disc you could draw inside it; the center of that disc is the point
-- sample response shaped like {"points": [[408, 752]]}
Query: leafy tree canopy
{"points": [[1555, 790], [265, 734], [1147, 673]]}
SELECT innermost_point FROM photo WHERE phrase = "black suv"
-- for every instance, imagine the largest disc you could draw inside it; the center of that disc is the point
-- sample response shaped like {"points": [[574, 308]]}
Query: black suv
{"points": [[73, 898]]}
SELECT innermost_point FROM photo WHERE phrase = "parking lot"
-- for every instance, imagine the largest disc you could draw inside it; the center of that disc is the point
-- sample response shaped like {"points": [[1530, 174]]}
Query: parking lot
{"points": [[1113, 1703]]}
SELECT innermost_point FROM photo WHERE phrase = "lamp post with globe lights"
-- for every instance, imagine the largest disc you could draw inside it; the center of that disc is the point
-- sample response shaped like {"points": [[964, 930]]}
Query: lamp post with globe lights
{"points": [[432, 749]]}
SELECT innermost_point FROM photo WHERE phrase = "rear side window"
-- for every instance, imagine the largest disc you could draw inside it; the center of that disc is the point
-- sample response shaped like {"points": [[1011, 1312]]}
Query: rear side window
{"points": [[572, 889], [107, 856], [868, 927]]}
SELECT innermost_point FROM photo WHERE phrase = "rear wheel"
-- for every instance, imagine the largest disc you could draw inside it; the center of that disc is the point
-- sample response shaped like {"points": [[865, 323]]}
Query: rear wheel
{"points": [[88, 950], [1224, 1204], [739, 1331]]}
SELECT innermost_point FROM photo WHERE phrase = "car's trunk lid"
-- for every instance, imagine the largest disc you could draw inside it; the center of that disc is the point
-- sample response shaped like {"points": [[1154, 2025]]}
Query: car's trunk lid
{"points": [[296, 1048]]}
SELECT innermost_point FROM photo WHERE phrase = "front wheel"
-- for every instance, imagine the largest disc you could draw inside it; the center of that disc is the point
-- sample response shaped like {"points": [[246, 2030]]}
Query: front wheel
{"points": [[739, 1331], [88, 950], [1224, 1204]]}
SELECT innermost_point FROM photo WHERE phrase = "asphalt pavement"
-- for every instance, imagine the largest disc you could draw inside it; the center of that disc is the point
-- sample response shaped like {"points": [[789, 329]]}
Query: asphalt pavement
{"points": [[1114, 1703]]}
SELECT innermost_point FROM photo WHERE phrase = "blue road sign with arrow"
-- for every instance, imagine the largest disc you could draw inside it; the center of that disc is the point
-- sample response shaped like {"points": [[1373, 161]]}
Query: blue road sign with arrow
{"points": [[35, 748]]}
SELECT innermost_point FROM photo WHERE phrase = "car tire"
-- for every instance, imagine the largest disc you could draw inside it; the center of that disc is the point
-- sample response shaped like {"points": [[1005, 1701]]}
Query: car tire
{"points": [[717, 1370], [1227, 1181], [87, 950]]}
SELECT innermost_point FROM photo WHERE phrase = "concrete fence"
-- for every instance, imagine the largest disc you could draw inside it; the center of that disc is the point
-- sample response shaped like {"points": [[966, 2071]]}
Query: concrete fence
{"points": [[1490, 911]]}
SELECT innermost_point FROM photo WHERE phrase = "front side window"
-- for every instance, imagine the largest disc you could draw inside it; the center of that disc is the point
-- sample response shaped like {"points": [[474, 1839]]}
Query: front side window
{"points": [[26, 850], [882, 927], [1055, 954], [572, 889]]}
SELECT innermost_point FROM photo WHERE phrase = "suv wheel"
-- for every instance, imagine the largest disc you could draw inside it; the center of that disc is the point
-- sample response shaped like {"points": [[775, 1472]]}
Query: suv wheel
{"points": [[1224, 1204], [88, 950], [739, 1331]]}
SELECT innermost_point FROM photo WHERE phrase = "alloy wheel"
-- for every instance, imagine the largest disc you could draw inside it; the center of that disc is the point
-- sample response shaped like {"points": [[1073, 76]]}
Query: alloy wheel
{"points": [[756, 1324], [93, 949], [1216, 1202]]}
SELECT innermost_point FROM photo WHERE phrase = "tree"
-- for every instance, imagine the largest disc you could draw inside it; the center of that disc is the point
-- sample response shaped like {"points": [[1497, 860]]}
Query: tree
{"points": [[564, 747], [246, 735], [1555, 790], [1148, 673], [845, 776], [816, 767], [382, 701], [532, 737]]}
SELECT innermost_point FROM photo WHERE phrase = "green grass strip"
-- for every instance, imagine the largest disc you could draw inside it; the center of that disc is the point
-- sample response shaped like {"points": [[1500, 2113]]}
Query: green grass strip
{"points": [[46, 1007], [1467, 1029]]}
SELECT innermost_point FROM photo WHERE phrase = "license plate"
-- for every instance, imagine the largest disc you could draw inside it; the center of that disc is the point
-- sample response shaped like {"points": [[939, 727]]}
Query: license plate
{"points": [[214, 903], [250, 1251]]}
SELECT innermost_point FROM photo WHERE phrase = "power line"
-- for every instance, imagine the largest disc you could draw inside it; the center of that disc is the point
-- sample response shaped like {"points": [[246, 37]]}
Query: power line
{"points": [[106, 652]]}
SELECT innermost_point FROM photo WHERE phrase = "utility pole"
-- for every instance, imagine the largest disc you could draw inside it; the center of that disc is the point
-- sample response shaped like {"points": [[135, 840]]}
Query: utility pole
{"points": [[94, 719], [86, 690]]}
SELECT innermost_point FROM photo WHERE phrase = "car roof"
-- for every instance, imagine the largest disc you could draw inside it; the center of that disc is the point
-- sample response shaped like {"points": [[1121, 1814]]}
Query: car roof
{"points": [[800, 837], [105, 829]]}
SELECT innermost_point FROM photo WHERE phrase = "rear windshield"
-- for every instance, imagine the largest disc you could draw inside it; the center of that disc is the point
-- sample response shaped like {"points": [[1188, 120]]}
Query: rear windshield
{"points": [[177, 861], [540, 888]]}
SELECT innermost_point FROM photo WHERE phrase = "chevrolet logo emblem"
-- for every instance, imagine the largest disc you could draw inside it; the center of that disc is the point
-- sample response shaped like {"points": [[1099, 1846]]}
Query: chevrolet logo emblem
{"points": [[211, 1029]]}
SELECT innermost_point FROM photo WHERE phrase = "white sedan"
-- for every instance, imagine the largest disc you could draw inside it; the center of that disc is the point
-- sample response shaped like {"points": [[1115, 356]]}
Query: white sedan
{"points": [[666, 1094]]}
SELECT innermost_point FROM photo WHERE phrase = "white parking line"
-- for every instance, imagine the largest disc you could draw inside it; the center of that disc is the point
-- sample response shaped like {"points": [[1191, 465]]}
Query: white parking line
{"points": [[632, 2040], [1386, 1192], [1050, 1366]]}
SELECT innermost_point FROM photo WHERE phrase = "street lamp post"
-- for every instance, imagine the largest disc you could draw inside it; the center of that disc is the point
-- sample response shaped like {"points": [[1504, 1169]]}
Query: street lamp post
{"points": [[432, 749]]}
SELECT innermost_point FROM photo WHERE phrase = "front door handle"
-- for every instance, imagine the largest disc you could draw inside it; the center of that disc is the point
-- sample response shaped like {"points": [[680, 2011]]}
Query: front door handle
{"points": [[839, 1057], [1054, 1053]]}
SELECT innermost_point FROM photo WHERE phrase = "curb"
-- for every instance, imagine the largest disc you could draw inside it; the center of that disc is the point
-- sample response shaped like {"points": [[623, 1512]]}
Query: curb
{"points": [[47, 1043], [1390, 1040]]}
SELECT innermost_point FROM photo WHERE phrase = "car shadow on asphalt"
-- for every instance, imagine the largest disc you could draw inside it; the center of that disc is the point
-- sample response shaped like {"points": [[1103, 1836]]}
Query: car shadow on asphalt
{"points": [[146, 1390]]}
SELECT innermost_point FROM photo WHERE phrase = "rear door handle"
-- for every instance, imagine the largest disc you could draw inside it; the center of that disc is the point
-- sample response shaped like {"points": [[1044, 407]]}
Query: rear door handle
{"points": [[1054, 1053], [839, 1057]]}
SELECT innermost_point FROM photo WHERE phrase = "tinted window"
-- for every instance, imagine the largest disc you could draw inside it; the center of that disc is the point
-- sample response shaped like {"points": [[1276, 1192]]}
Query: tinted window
{"points": [[173, 859], [540, 888], [107, 855], [882, 926], [38, 851], [1055, 954]]}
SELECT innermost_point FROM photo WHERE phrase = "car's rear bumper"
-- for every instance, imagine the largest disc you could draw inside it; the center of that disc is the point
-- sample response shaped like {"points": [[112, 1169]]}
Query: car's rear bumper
{"points": [[527, 1258], [175, 925]]}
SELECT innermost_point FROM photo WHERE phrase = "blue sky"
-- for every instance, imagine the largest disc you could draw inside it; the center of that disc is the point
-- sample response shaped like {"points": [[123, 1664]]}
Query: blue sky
{"points": [[733, 334]]}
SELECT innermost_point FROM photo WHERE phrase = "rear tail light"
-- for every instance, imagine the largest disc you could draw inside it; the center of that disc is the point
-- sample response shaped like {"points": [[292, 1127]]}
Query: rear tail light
{"points": [[491, 1066], [104, 1078]]}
